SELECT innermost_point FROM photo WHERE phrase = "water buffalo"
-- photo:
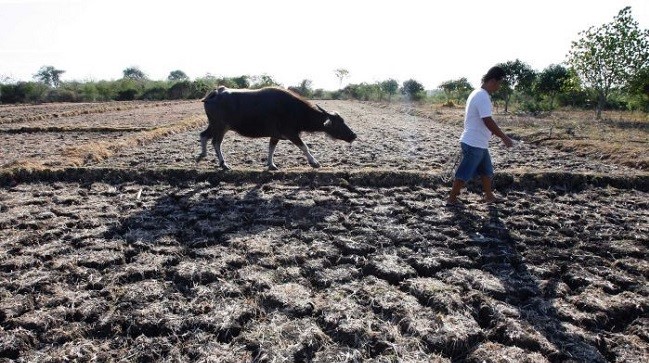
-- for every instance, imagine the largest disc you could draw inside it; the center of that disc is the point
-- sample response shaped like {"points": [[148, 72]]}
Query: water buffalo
{"points": [[267, 112]]}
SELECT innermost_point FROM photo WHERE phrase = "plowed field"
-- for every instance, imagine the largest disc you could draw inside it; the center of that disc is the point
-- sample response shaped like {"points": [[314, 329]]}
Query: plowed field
{"points": [[115, 245]]}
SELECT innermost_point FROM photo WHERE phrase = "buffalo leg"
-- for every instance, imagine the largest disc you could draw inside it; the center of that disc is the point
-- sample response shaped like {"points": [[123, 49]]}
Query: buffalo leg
{"points": [[205, 135], [305, 149], [271, 150], [216, 143]]}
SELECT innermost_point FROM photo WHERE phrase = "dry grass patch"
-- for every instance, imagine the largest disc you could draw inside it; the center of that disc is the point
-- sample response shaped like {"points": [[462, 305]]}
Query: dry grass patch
{"points": [[277, 338], [497, 353], [391, 268], [25, 165], [436, 294], [80, 155], [620, 137], [61, 129], [291, 298], [15, 114]]}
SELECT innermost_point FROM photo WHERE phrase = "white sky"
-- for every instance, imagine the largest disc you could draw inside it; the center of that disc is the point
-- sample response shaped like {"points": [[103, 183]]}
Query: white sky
{"points": [[294, 40]]}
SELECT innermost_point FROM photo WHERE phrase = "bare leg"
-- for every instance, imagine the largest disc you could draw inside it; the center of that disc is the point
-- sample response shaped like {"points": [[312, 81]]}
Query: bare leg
{"points": [[486, 188], [271, 150], [455, 191], [299, 143]]}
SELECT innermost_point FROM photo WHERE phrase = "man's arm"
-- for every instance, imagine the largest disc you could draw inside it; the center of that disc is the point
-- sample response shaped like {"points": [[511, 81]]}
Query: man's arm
{"points": [[493, 127]]}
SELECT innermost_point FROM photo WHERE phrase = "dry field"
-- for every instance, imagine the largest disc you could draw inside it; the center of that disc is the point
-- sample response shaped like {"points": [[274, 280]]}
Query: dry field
{"points": [[116, 246]]}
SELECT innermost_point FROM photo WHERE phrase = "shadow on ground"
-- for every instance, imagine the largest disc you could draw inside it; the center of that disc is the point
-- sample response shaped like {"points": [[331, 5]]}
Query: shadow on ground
{"points": [[501, 257]]}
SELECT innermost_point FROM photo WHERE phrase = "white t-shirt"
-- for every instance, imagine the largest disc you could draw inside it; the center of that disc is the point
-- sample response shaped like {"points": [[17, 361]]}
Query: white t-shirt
{"points": [[478, 106]]}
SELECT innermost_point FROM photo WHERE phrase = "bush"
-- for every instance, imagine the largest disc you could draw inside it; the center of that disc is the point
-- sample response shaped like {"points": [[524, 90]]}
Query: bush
{"points": [[534, 107], [338, 95], [10, 93], [61, 95], [201, 86], [155, 93], [320, 94], [89, 92], [106, 90], [575, 98], [23, 92], [362, 92], [128, 94], [180, 90]]}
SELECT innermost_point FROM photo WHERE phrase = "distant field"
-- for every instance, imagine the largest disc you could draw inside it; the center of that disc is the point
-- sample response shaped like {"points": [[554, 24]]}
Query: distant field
{"points": [[116, 245], [619, 138]]}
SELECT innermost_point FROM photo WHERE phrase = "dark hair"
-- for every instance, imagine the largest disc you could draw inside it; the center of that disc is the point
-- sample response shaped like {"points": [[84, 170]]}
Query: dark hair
{"points": [[496, 73]]}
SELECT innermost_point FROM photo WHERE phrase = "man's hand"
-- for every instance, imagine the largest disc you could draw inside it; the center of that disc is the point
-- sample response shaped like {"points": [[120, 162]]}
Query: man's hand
{"points": [[493, 127], [507, 141]]}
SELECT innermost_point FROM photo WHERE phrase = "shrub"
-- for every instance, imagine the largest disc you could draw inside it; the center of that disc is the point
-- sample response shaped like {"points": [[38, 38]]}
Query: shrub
{"points": [[106, 90], [23, 92], [201, 86], [61, 95], [180, 90], [320, 94], [128, 94], [155, 93]]}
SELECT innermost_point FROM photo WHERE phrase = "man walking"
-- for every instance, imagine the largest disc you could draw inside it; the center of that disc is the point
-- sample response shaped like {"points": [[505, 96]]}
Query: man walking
{"points": [[478, 128]]}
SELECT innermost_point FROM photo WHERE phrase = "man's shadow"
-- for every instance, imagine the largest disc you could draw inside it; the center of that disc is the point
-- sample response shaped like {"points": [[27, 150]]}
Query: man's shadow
{"points": [[501, 257]]}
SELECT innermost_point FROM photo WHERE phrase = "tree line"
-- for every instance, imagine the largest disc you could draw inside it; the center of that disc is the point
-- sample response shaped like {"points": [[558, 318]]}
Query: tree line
{"points": [[135, 85], [606, 68]]}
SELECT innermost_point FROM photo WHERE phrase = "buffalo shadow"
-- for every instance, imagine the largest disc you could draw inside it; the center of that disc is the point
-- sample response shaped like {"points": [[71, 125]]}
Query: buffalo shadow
{"points": [[203, 215]]}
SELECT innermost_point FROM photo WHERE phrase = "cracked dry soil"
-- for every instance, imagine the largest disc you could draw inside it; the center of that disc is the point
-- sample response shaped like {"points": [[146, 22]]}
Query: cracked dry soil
{"points": [[309, 269]]}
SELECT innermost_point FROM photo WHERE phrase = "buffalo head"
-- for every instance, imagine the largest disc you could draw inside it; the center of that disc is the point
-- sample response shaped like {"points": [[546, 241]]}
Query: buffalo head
{"points": [[336, 128]]}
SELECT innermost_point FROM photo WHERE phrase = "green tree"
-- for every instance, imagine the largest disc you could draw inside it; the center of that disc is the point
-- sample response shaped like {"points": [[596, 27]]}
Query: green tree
{"points": [[134, 73], [609, 56], [49, 76], [391, 87], [519, 78], [457, 89], [238, 82], [177, 75], [304, 88], [413, 90], [341, 74], [264, 81], [573, 93], [551, 81], [638, 89]]}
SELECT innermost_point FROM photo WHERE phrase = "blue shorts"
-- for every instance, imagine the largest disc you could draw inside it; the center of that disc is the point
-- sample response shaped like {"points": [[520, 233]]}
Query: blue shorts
{"points": [[475, 161]]}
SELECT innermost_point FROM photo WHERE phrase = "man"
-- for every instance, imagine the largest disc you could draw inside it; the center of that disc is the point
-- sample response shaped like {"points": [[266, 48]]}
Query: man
{"points": [[478, 128]]}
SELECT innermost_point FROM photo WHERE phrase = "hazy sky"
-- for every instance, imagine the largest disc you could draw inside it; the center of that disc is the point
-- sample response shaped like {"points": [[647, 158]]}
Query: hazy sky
{"points": [[430, 41]]}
